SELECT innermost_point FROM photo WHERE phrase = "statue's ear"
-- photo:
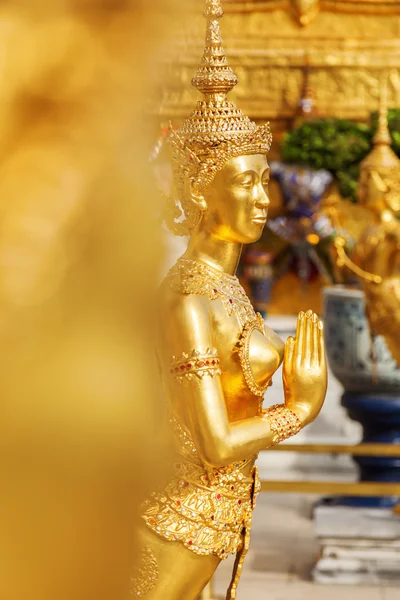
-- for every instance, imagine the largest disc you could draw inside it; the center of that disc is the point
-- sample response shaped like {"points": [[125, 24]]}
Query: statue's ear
{"points": [[195, 196]]}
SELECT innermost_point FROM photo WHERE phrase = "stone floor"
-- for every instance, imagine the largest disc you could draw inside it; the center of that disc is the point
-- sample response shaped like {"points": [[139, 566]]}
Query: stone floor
{"points": [[282, 554]]}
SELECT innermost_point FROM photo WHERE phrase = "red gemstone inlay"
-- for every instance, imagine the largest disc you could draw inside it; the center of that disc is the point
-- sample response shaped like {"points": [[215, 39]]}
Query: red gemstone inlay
{"points": [[178, 502], [218, 496], [189, 366], [212, 517], [207, 362], [232, 487], [186, 483], [215, 291], [182, 367], [213, 362], [190, 542], [231, 301], [200, 363], [239, 502]]}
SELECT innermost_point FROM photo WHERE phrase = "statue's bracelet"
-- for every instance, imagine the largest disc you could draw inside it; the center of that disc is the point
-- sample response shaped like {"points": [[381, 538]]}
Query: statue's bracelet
{"points": [[284, 422]]}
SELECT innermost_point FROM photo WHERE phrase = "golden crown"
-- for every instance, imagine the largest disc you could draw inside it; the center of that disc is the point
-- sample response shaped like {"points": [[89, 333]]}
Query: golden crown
{"points": [[382, 158], [217, 130]]}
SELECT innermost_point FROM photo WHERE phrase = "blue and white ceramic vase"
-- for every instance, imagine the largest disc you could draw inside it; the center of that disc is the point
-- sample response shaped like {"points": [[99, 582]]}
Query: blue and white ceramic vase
{"points": [[371, 380]]}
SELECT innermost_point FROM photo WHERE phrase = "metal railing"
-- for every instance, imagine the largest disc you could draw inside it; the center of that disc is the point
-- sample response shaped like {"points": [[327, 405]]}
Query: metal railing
{"points": [[334, 488]]}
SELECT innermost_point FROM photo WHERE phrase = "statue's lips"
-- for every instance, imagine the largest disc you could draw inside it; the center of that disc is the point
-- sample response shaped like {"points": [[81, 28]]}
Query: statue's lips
{"points": [[260, 220]]}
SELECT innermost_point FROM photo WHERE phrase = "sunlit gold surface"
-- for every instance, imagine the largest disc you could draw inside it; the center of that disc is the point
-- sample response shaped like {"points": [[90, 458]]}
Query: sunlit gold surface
{"points": [[77, 414], [214, 410]]}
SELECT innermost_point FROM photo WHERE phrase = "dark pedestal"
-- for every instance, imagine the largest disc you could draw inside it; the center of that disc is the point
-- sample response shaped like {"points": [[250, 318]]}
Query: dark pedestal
{"points": [[379, 416]]}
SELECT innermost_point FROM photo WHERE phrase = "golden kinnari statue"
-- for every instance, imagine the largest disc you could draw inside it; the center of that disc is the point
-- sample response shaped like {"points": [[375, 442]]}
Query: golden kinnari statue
{"points": [[374, 225], [217, 356]]}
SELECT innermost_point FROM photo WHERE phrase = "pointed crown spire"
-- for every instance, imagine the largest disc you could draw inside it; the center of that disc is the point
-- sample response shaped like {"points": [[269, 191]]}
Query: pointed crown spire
{"points": [[381, 158], [214, 75], [382, 135]]}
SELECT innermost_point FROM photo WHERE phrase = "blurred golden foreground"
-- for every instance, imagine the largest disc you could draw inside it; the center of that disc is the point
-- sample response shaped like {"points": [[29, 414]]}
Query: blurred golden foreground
{"points": [[79, 256]]}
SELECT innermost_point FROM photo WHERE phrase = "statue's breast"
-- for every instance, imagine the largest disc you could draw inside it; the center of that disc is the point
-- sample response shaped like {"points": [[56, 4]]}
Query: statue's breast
{"points": [[250, 354], [265, 356]]}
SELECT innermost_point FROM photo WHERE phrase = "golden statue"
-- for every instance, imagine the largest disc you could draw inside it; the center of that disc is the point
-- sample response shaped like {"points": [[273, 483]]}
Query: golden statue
{"points": [[378, 250], [375, 229], [217, 356]]}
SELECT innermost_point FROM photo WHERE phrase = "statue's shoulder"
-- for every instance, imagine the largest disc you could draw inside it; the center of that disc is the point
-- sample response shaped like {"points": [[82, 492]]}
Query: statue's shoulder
{"points": [[188, 278], [182, 298]]}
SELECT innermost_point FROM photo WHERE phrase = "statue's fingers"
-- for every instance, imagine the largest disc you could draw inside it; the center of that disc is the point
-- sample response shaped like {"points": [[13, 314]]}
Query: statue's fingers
{"points": [[308, 337], [315, 340], [289, 351], [321, 344], [300, 334]]}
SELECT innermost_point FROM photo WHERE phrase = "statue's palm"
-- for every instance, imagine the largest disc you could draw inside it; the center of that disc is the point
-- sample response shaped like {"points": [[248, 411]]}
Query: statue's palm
{"points": [[305, 369]]}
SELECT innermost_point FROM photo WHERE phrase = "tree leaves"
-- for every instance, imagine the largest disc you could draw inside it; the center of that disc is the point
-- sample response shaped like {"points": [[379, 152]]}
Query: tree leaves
{"points": [[337, 145]]}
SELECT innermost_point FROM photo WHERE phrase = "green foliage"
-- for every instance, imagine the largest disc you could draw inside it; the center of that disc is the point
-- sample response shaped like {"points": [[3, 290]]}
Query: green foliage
{"points": [[337, 145]]}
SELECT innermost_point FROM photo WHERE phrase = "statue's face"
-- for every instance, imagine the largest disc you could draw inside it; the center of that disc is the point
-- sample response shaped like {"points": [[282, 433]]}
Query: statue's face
{"points": [[237, 200], [380, 190], [370, 193], [392, 198]]}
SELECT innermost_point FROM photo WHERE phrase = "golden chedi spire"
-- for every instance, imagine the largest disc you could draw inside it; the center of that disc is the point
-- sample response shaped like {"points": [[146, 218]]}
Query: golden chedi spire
{"points": [[215, 132], [382, 158]]}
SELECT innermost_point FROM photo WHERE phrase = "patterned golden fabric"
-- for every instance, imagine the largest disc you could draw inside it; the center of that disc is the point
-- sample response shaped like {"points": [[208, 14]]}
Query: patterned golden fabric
{"points": [[204, 508]]}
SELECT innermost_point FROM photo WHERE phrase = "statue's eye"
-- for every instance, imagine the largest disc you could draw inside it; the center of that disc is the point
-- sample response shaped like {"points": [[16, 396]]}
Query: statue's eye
{"points": [[244, 181], [248, 182]]}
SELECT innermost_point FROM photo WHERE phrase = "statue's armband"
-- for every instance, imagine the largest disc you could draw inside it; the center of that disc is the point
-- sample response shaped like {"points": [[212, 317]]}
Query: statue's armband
{"points": [[197, 364]]}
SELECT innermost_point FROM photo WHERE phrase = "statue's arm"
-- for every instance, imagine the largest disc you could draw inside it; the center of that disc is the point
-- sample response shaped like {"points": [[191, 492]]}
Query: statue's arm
{"points": [[218, 441]]}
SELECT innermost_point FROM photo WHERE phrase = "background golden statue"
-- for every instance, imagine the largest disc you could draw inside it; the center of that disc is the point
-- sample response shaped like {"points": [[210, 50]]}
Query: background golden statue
{"points": [[373, 230]]}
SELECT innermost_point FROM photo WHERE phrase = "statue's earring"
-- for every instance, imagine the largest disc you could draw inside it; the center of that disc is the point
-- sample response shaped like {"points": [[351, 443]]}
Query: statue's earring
{"points": [[195, 195]]}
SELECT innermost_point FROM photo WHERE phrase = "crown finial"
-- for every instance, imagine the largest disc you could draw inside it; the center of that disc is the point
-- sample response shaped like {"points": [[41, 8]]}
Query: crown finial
{"points": [[382, 136], [382, 159], [214, 75]]}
